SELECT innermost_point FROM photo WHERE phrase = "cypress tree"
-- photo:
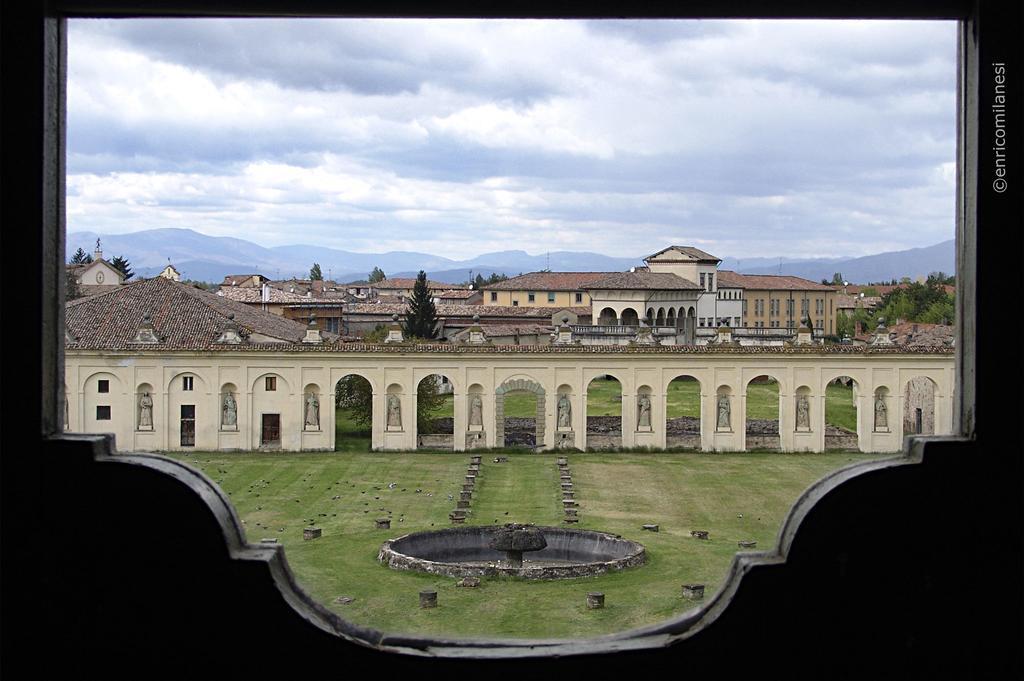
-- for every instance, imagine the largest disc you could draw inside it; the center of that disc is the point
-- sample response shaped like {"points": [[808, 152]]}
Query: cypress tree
{"points": [[421, 320]]}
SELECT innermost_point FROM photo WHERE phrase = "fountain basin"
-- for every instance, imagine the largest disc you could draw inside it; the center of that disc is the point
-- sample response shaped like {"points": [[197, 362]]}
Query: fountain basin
{"points": [[467, 552]]}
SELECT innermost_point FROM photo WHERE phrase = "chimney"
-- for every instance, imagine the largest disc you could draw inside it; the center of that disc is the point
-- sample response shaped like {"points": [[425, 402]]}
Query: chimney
{"points": [[312, 331], [394, 331]]}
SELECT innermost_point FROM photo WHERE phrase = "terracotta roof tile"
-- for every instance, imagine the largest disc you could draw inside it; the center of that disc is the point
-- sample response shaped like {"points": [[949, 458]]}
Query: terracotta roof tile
{"points": [[773, 282], [659, 281], [548, 281], [184, 317]]}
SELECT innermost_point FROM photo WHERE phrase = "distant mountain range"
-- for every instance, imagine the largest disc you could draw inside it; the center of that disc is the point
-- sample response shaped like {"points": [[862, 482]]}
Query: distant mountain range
{"points": [[206, 258]]}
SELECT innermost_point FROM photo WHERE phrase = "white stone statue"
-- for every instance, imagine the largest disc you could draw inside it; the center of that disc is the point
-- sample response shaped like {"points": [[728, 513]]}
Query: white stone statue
{"points": [[145, 412], [229, 411], [723, 411], [67, 413], [476, 411], [881, 413], [564, 411], [644, 411], [394, 412], [312, 411], [803, 412]]}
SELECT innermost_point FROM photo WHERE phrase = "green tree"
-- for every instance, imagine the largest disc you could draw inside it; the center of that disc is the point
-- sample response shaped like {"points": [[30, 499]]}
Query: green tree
{"points": [[869, 291], [940, 312], [121, 264], [940, 278], [315, 274], [377, 275], [495, 278], [479, 282], [428, 400], [81, 257], [71, 289], [837, 279], [421, 320]]}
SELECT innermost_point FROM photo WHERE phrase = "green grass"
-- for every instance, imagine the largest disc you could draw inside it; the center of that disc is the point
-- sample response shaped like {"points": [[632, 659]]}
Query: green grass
{"points": [[604, 398], [683, 398], [839, 407], [277, 494]]}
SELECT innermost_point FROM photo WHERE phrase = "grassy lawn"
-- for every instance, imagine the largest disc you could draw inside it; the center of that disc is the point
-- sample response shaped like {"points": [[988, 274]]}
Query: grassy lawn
{"points": [[683, 398], [604, 397], [277, 494], [839, 407]]}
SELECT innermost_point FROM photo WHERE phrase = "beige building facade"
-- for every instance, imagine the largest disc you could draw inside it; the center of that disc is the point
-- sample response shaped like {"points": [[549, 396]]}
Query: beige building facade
{"points": [[273, 393]]}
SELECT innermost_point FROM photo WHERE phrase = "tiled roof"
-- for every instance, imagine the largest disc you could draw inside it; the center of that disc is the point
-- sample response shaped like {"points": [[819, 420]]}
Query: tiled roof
{"points": [[773, 282], [851, 302], [658, 281], [183, 317], [695, 253], [548, 281], [402, 283], [255, 295], [510, 330], [453, 310], [919, 333], [457, 294]]}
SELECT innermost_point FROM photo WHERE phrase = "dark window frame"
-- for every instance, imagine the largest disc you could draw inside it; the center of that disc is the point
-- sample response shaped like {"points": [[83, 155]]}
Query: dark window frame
{"points": [[972, 202], [102, 415], [103, 385]]}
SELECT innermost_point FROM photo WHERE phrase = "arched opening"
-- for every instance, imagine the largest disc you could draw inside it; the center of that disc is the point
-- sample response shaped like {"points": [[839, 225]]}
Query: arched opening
{"points": [[353, 414], [682, 413], [650, 316], [670, 318], [919, 406], [630, 317], [604, 413], [435, 413], [519, 414], [476, 417], [762, 422], [841, 414], [660, 319], [273, 413], [607, 317]]}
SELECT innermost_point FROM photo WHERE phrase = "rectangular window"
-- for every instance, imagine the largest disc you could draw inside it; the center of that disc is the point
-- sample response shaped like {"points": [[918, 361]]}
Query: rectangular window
{"points": [[530, 298], [271, 383], [735, 321], [551, 297], [703, 283], [494, 296], [579, 297], [186, 382], [711, 282], [515, 303], [103, 386], [103, 413]]}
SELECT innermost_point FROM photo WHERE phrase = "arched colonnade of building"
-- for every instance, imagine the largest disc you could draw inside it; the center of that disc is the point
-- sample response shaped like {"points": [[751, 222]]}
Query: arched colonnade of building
{"points": [[291, 394]]}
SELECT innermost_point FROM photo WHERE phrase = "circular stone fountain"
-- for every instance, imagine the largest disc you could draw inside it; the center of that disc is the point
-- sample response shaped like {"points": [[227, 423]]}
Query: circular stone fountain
{"points": [[525, 551]]}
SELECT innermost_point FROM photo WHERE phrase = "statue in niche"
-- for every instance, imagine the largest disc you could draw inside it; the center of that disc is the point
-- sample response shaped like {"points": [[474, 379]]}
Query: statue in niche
{"points": [[229, 411], [312, 411], [476, 411], [394, 412], [67, 411], [723, 412], [881, 413], [644, 411], [564, 411], [145, 412], [803, 412]]}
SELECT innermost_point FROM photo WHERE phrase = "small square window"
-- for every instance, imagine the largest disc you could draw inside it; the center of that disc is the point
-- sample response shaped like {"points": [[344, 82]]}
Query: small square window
{"points": [[530, 297], [271, 382], [579, 297], [186, 382], [103, 413], [551, 297], [494, 296], [103, 386], [515, 303]]}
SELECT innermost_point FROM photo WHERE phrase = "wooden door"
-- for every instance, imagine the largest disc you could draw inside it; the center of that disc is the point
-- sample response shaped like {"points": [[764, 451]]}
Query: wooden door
{"points": [[271, 431], [188, 425]]}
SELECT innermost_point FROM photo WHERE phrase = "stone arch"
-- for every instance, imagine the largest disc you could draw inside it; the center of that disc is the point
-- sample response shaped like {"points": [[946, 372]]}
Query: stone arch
{"points": [[842, 412], [644, 409], [275, 420], [518, 384], [763, 414], [670, 317], [650, 316], [919, 396], [607, 317], [602, 431], [660, 319], [630, 317], [282, 383], [683, 410], [174, 383], [353, 398], [437, 430]]}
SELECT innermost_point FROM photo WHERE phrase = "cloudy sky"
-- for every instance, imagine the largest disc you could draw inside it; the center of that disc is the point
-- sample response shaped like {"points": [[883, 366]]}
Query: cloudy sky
{"points": [[746, 138]]}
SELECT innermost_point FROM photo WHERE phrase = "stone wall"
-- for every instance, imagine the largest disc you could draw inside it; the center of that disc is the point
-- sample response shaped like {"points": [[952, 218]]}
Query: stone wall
{"points": [[920, 394]]}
